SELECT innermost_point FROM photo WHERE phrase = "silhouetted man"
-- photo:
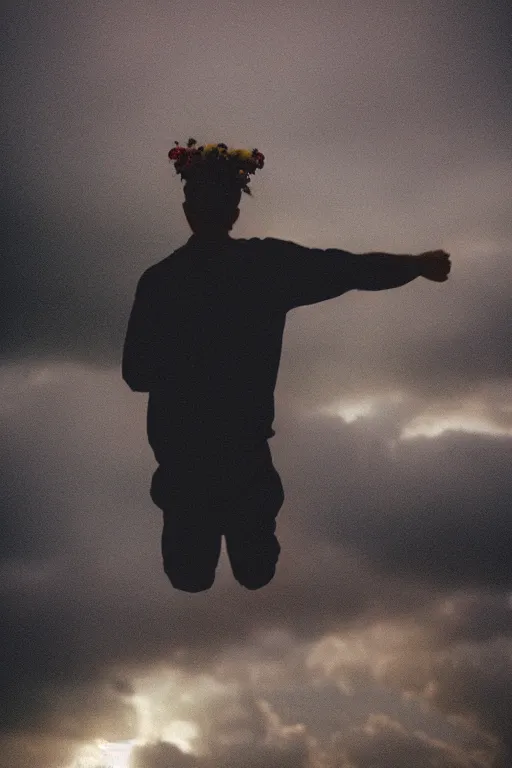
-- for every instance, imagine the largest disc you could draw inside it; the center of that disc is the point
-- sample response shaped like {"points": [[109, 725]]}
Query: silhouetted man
{"points": [[204, 339]]}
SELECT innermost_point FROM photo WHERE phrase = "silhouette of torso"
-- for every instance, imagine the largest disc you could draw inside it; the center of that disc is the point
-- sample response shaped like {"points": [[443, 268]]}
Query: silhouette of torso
{"points": [[205, 336], [221, 334]]}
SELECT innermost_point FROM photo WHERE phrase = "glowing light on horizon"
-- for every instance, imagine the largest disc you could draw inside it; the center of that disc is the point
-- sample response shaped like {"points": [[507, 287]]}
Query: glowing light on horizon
{"points": [[181, 733], [472, 417], [114, 754], [434, 426], [352, 409]]}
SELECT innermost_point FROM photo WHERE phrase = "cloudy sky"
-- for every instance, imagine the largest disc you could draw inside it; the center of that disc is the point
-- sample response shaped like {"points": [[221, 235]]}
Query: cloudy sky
{"points": [[385, 639]]}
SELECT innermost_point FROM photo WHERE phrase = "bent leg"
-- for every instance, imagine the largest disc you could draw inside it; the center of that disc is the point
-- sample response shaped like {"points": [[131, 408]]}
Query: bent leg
{"points": [[190, 552], [252, 546], [191, 537]]}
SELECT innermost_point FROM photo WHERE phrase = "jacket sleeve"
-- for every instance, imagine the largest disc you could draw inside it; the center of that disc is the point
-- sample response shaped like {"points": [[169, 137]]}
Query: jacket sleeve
{"points": [[309, 275], [141, 364]]}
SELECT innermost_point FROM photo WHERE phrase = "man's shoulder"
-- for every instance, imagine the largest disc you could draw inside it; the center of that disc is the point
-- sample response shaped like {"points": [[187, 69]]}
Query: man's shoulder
{"points": [[277, 245], [273, 246], [270, 241], [160, 268], [260, 244]]}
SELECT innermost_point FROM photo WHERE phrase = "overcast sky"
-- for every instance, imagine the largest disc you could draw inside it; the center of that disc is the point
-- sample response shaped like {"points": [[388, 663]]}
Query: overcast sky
{"points": [[385, 639]]}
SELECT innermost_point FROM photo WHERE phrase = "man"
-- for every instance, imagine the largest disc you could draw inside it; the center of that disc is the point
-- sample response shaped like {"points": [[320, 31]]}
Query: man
{"points": [[204, 339]]}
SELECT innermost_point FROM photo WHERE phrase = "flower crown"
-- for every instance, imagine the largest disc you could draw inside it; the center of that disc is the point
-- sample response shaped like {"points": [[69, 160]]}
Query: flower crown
{"points": [[238, 163]]}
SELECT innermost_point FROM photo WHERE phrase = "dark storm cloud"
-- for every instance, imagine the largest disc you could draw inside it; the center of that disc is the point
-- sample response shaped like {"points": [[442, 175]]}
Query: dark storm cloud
{"points": [[88, 543], [163, 755], [396, 139], [468, 680], [93, 606], [385, 743], [478, 682], [436, 512], [377, 741], [453, 346], [41, 750], [401, 91], [468, 616], [440, 343]]}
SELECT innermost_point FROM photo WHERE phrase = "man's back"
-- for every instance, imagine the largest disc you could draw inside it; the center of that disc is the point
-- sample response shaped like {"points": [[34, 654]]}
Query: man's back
{"points": [[205, 333], [220, 330]]}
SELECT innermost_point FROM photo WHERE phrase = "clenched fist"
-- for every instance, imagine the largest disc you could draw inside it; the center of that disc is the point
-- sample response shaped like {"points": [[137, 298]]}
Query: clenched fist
{"points": [[435, 265]]}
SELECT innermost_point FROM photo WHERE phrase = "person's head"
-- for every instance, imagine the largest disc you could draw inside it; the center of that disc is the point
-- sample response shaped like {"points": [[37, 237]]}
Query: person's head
{"points": [[211, 206], [215, 178]]}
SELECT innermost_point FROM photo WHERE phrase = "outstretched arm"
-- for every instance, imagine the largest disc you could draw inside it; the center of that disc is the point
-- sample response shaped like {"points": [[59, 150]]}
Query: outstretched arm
{"points": [[379, 271], [308, 275]]}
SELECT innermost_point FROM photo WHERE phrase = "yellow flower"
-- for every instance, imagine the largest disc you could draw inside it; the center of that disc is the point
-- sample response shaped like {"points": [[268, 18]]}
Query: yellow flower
{"points": [[243, 154]]}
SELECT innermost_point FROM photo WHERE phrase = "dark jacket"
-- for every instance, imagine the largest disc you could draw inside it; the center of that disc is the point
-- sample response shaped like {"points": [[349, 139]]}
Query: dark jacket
{"points": [[205, 332]]}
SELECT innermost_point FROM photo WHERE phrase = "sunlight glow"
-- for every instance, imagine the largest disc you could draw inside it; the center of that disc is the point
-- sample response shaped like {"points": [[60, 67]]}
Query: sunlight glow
{"points": [[116, 754], [433, 426], [181, 733], [105, 754], [352, 409], [142, 707], [472, 416]]}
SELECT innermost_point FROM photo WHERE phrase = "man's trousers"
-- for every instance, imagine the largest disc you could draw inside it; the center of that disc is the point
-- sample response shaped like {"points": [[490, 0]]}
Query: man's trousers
{"points": [[232, 494]]}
